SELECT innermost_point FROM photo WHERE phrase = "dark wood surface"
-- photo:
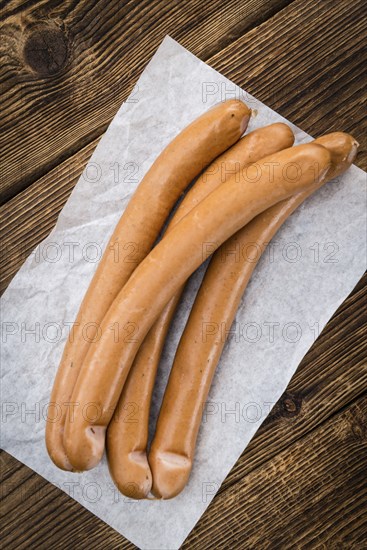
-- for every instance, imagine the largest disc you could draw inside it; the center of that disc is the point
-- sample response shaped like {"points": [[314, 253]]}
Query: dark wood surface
{"points": [[67, 68]]}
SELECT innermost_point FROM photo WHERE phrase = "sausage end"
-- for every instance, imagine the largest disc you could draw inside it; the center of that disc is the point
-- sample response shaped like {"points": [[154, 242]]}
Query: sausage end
{"points": [[86, 450], [131, 474], [170, 471]]}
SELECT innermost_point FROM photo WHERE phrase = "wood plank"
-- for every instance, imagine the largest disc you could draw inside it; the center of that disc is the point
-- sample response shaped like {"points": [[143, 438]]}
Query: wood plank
{"points": [[312, 495], [312, 72], [314, 491], [34, 513], [315, 112], [68, 66]]}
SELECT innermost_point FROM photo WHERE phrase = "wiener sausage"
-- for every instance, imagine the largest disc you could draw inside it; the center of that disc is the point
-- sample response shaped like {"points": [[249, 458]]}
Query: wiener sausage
{"points": [[127, 434], [160, 275], [172, 451], [181, 161]]}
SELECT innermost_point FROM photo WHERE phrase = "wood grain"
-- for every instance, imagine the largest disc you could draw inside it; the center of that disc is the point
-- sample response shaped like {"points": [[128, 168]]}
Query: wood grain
{"points": [[68, 66], [300, 482], [30, 506], [312, 70], [293, 500]]}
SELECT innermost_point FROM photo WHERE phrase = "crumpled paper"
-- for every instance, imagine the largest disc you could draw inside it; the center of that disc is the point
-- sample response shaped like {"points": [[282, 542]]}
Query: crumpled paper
{"points": [[304, 275]]}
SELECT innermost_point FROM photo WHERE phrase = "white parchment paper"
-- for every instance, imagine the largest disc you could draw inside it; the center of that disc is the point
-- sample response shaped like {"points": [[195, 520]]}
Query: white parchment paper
{"points": [[310, 268]]}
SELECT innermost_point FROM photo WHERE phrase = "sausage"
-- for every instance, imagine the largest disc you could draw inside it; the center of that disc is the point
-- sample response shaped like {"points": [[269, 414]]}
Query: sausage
{"points": [[139, 226], [157, 279], [127, 436], [173, 446]]}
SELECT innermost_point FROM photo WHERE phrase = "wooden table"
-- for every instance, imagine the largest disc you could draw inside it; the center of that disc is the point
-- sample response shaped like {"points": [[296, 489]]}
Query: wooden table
{"points": [[68, 67]]}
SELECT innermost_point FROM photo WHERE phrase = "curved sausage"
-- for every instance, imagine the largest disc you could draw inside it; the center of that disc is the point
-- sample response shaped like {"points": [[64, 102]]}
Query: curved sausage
{"points": [[160, 275], [127, 436], [173, 447], [139, 226]]}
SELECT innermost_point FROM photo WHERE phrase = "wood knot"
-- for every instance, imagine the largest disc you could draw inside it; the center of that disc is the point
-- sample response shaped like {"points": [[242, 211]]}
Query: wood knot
{"points": [[359, 426], [46, 50], [290, 405]]}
